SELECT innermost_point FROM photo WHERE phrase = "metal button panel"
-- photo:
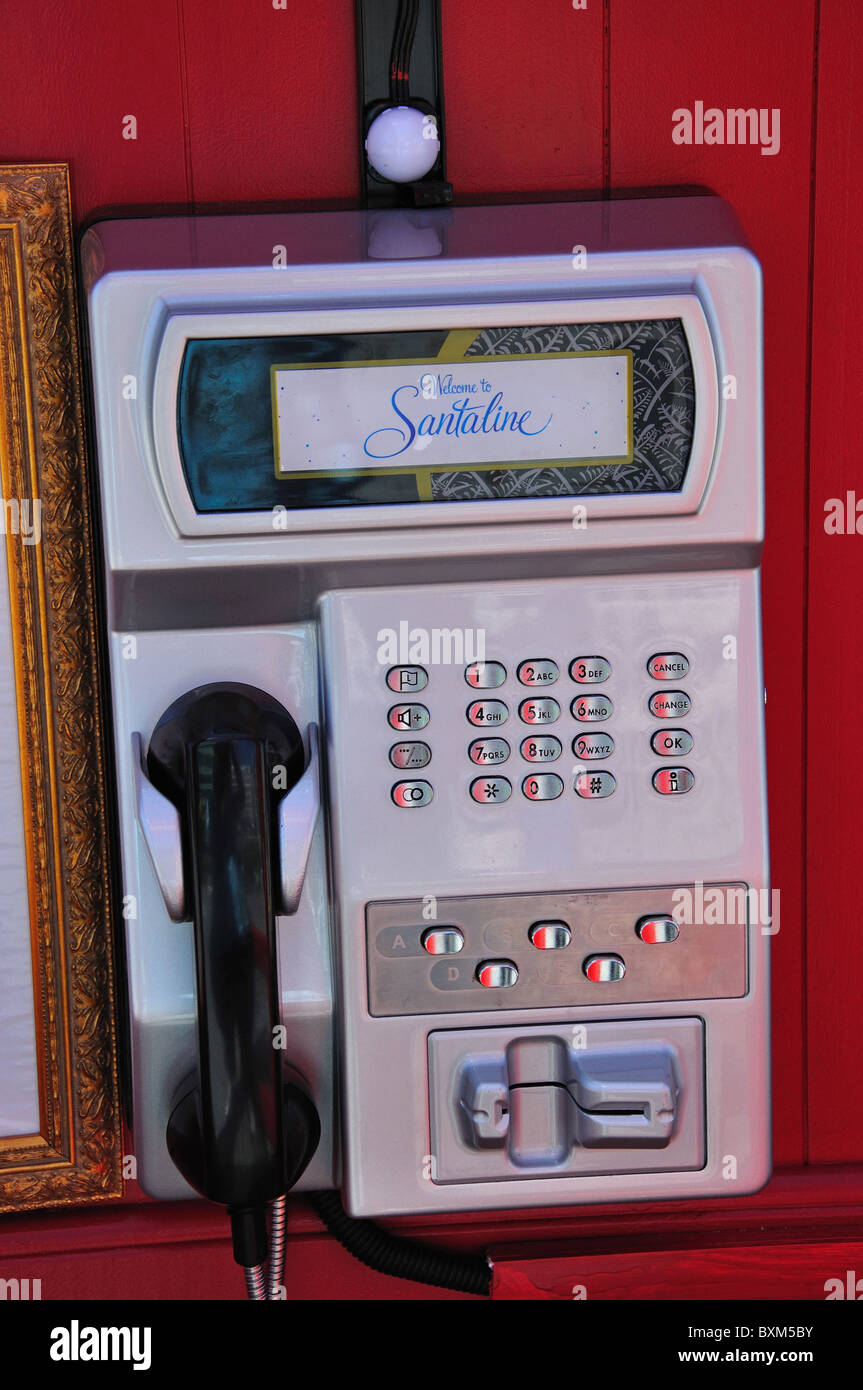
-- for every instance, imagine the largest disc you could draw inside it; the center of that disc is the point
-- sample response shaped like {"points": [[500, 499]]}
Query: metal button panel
{"points": [[671, 781], [490, 789], [656, 931], [669, 704], [539, 672], [412, 794], [407, 680], [485, 712], [408, 717], [668, 666], [669, 743], [549, 936], [542, 786], [497, 974], [590, 709], [443, 941], [410, 755], [541, 748], [488, 751], [604, 969], [590, 747], [544, 710], [485, 675], [589, 670]]}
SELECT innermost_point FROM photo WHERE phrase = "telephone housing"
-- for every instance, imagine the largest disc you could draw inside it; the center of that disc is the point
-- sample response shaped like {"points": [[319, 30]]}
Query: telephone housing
{"points": [[437, 1091]]}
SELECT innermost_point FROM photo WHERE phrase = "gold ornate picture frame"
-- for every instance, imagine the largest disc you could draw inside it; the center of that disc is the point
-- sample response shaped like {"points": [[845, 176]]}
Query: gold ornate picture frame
{"points": [[75, 1154]]}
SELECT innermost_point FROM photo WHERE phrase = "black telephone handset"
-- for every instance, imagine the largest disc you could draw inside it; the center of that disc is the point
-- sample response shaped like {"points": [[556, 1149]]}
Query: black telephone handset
{"points": [[243, 1130]]}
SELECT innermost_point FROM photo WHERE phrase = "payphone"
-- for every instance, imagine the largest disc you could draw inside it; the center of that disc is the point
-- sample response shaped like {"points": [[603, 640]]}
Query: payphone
{"points": [[432, 546]]}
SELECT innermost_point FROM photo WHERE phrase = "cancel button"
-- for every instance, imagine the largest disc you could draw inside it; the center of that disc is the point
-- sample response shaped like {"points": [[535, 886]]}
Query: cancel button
{"points": [[667, 666]]}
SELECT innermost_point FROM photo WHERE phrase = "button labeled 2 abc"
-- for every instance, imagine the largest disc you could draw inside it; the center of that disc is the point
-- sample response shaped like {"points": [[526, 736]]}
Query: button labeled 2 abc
{"points": [[411, 794]]}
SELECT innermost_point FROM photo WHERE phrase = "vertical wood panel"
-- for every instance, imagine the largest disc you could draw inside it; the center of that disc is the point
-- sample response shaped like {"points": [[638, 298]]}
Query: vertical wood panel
{"points": [[272, 100], [523, 88], [738, 54], [835, 652], [73, 70]]}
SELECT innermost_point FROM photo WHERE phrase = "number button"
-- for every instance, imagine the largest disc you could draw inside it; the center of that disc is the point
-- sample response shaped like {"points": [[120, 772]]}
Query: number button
{"points": [[410, 755], [411, 794], [485, 675], [485, 712], [490, 789], [408, 717], [589, 747], [407, 680], [488, 750], [542, 711], [589, 670], [541, 672], [547, 786], [539, 749], [589, 709]]}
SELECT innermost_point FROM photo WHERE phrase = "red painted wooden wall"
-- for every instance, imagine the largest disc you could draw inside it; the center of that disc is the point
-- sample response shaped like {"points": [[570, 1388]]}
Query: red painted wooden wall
{"points": [[252, 102]]}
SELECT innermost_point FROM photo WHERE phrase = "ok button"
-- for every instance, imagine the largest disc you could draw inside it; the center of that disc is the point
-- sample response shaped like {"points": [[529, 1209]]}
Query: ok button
{"points": [[668, 742]]}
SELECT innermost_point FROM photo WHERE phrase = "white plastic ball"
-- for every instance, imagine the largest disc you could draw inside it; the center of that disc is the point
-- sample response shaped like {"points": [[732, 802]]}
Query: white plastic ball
{"points": [[402, 144]]}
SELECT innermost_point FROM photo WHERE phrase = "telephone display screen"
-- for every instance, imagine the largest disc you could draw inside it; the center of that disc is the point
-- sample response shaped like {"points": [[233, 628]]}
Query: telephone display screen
{"points": [[431, 415]]}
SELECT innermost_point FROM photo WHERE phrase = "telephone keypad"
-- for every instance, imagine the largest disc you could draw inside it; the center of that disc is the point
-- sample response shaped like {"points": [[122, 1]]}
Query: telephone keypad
{"points": [[589, 670], [490, 789], [543, 786], [410, 755], [485, 675], [539, 711], [408, 717], [484, 712], [489, 751], [589, 709], [540, 672], [538, 748]]}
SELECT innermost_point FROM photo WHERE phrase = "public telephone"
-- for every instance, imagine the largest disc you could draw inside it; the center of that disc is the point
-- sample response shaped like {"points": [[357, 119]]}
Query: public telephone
{"points": [[432, 546]]}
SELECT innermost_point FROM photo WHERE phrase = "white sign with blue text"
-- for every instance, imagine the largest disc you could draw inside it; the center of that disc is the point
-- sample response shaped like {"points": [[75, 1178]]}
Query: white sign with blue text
{"points": [[566, 409]]}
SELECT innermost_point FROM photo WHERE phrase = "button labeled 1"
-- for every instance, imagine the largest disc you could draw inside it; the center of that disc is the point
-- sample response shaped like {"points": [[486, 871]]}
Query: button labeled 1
{"points": [[485, 675]]}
